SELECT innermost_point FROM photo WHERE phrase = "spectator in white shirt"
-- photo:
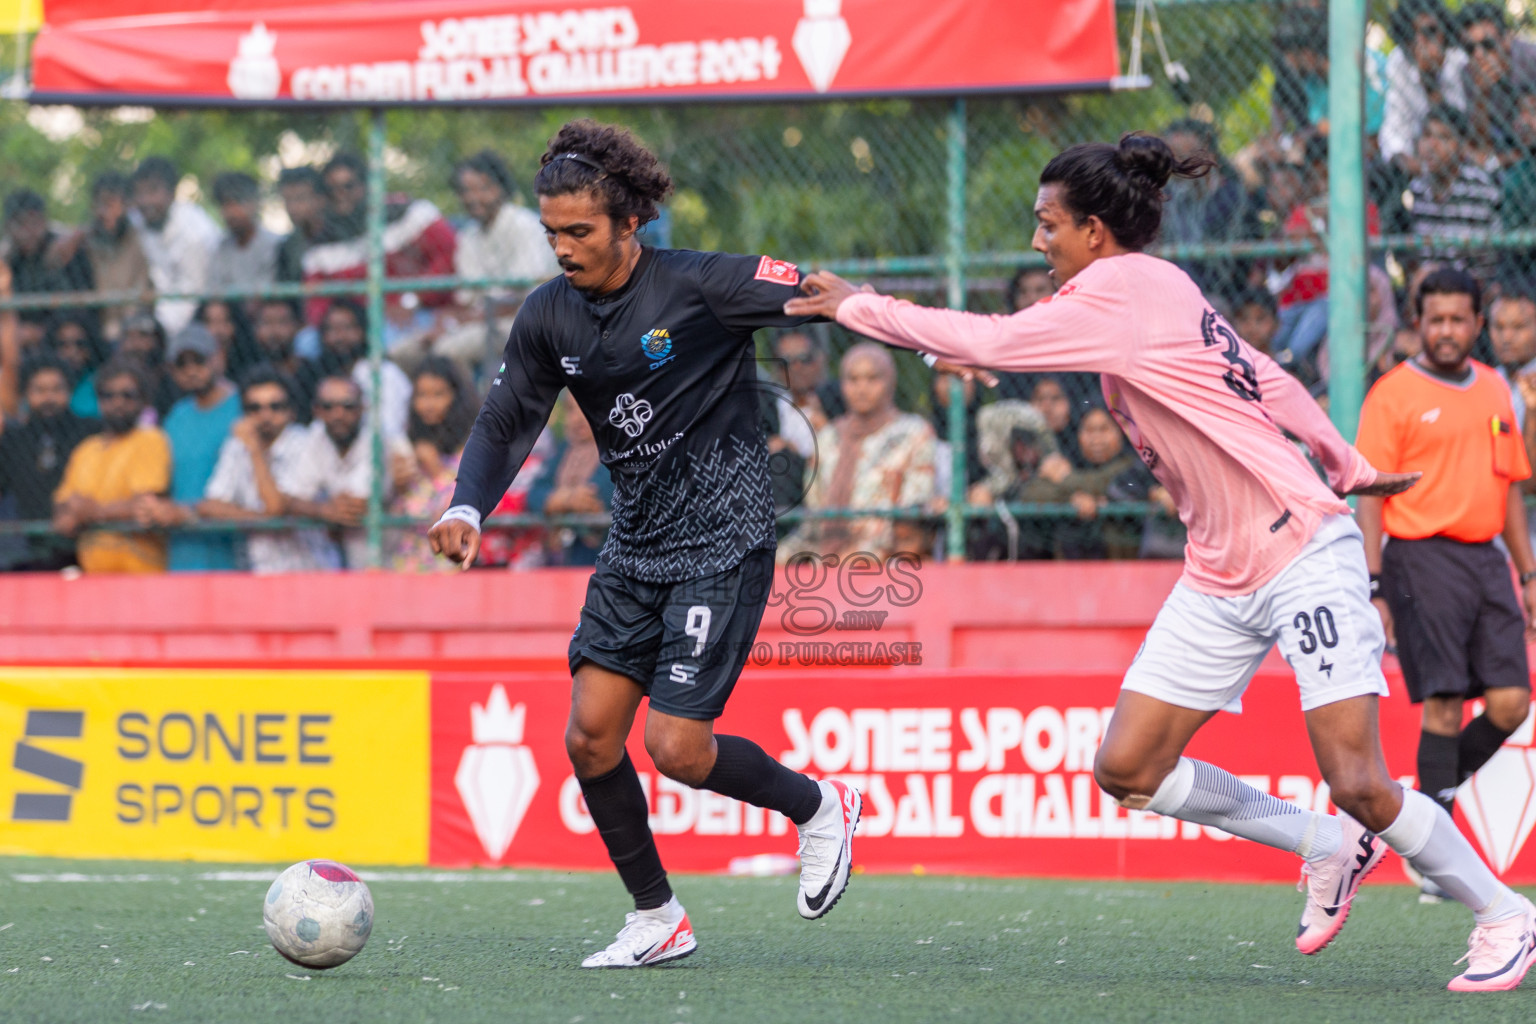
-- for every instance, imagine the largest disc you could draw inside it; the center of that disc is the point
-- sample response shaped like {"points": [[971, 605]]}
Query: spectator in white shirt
{"points": [[178, 238], [1423, 71], [334, 472], [258, 462], [344, 352], [502, 239], [246, 255]]}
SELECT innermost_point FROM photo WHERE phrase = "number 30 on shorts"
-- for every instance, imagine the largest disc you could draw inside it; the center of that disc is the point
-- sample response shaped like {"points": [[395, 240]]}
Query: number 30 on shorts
{"points": [[1327, 632]]}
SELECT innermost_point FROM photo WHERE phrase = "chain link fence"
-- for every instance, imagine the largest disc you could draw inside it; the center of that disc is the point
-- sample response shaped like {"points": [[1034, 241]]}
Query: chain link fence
{"points": [[930, 199]]}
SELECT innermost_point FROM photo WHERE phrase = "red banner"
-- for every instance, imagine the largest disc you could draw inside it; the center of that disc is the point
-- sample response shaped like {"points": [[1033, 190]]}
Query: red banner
{"points": [[516, 51], [961, 772]]}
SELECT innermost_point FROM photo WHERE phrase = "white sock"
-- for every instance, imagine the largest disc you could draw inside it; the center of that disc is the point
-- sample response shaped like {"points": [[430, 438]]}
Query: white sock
{"points": [[1200, 792], [1424, 835], [672, 910]]}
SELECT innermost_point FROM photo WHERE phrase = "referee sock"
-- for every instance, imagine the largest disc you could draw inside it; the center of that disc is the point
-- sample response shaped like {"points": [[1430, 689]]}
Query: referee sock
{"points": [[1200, 792], [1438, 760], [1424, 835], [1479, 741], [617, 805], [744, 771]]}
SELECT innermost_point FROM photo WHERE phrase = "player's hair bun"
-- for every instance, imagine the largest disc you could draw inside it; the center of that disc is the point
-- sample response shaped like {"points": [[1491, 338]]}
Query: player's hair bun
{"points": [[1145, 157]]}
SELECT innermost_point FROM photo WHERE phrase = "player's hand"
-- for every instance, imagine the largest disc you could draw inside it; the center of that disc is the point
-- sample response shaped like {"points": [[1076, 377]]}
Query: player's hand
{"points": [[456, 540], [1385, 485], [1528, 600], [824, 292], [1387, 625], [966, 373]]}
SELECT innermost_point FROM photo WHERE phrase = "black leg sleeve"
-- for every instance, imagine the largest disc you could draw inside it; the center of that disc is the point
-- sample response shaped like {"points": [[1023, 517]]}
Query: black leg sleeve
{"points": [[1479, 741], [744, 770], [1437, 768], [617, 805]]}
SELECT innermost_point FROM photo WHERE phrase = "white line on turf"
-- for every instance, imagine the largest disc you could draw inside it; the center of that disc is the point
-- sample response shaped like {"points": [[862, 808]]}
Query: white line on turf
{"points": [[440, 877]]}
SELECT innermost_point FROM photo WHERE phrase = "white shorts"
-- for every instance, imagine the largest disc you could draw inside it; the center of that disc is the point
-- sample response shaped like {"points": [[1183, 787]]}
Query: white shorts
{"points": [[1202, 650]]}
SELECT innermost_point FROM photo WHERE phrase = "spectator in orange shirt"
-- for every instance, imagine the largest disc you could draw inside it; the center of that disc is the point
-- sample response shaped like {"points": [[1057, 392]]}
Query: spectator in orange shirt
{"points": [[113, 477], [1440, 584]]}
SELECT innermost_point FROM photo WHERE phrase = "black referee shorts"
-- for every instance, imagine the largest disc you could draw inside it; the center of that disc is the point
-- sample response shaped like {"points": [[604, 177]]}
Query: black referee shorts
{"points": [[1460, 630], [684, 643]]}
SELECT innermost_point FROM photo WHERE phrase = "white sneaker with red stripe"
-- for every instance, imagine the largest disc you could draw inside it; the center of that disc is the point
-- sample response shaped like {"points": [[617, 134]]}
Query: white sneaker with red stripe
{"points": [[826, 849], [1500, 953], [649, 937]]}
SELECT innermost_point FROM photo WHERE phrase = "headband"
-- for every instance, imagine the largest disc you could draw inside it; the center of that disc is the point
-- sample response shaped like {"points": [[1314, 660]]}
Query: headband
{"points": [[585, 161]]}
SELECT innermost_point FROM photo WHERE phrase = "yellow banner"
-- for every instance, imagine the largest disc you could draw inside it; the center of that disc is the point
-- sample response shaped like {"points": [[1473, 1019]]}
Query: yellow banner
{"points": [[20, 16], [214, 765]]}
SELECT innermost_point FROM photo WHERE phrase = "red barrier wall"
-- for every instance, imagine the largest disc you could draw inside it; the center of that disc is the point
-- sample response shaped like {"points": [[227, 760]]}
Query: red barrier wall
{"points": [[967, 781], [1046, 617]]}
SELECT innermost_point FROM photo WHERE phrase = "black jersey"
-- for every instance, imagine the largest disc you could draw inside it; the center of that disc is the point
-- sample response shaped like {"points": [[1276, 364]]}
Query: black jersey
{"points": [[664, 370]]}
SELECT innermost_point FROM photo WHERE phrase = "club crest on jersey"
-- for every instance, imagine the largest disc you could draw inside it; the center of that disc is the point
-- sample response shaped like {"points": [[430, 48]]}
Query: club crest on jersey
{"points": [[777, 271], [657, 346]]}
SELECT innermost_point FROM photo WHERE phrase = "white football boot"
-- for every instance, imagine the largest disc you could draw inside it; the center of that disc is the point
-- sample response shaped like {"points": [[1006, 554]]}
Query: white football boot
{"points": [[649, 937], [826, 849]]}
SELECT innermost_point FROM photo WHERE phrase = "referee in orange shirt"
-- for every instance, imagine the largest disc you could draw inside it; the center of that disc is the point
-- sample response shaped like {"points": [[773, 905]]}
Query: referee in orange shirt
{"points": [[1441, 585]]}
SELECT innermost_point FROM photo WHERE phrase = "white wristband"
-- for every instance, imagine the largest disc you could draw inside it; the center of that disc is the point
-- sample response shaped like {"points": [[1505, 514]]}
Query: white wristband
{"points": [[930, 359], [464, 513]]}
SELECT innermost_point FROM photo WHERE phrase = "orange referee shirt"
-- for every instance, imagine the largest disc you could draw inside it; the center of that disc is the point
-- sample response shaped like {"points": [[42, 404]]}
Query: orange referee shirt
{"points": [[1464, 439]]}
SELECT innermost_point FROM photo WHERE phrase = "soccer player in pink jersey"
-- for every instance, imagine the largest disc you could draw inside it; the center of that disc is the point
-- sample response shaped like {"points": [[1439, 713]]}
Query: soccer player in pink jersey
{"points": [[1274, 556]]}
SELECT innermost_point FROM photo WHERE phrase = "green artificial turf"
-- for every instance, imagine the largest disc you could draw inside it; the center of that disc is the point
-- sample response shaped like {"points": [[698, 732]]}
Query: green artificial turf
{"points": [[154, 942]]}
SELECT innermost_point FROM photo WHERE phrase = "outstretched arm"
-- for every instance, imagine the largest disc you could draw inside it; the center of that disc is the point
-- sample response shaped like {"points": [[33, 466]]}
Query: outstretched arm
{"points": [[1082, 329], [1296, 412]]}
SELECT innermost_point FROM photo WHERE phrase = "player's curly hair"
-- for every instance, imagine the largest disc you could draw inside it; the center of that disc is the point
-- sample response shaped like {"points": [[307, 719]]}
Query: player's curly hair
{"points": [[585, 156]]}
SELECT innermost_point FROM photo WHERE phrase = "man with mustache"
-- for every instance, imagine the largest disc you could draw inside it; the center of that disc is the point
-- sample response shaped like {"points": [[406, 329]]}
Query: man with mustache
{"points": [[110, 475], [656, 347], [1440, 583], [34, 450]]}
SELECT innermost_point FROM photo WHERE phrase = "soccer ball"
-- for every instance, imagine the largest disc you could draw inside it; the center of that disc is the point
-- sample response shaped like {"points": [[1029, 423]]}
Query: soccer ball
{"points": [[318, 913]]}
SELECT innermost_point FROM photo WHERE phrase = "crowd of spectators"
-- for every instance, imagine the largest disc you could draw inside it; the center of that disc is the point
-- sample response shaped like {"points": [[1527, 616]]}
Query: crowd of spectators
{"points": [[143, 428], [161, 431]]}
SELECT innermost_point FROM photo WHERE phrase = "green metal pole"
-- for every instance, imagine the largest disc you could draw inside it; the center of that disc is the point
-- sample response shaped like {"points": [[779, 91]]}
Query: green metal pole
{"points": [[954, 273], [1346, 213], [375, 518]]}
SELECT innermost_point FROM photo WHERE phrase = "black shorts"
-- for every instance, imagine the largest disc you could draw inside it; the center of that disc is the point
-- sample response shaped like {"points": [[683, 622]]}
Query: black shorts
{"points": [[1459, 627], [684, 643]]}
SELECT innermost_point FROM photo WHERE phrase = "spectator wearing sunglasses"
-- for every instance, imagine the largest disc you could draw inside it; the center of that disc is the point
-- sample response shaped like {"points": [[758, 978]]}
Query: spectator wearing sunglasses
{"points": [[261, 457], [815, 396], [196, 427], [795, 413], [110, 474], [1499, 68], [335, 471]]}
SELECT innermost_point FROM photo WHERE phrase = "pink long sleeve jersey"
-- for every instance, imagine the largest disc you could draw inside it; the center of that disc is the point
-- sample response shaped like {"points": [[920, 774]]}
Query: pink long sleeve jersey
{"points": [[1203, 408]]}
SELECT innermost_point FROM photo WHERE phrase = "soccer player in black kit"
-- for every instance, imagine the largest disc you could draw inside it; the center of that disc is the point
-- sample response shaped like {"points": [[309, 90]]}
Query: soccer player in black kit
{"points": [[656, 347]]}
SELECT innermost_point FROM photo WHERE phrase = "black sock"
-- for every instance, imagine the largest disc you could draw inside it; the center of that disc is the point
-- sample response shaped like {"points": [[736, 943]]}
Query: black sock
{"points": [[743, 770], [1437, 768], [617, 805], [1479, 741]]}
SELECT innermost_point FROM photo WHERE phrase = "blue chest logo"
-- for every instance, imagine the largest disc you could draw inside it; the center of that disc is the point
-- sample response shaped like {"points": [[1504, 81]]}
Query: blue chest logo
{"points": [[657, 346]]}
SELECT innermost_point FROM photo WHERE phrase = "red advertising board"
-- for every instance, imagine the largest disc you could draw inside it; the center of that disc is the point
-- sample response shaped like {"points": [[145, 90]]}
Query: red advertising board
{"points": [[517, 51], [964, 772]]}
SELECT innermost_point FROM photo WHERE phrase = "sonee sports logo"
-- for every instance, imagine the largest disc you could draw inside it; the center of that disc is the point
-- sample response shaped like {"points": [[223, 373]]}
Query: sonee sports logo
{"points": [[657, 346], [45, 764], [630, 414]]}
